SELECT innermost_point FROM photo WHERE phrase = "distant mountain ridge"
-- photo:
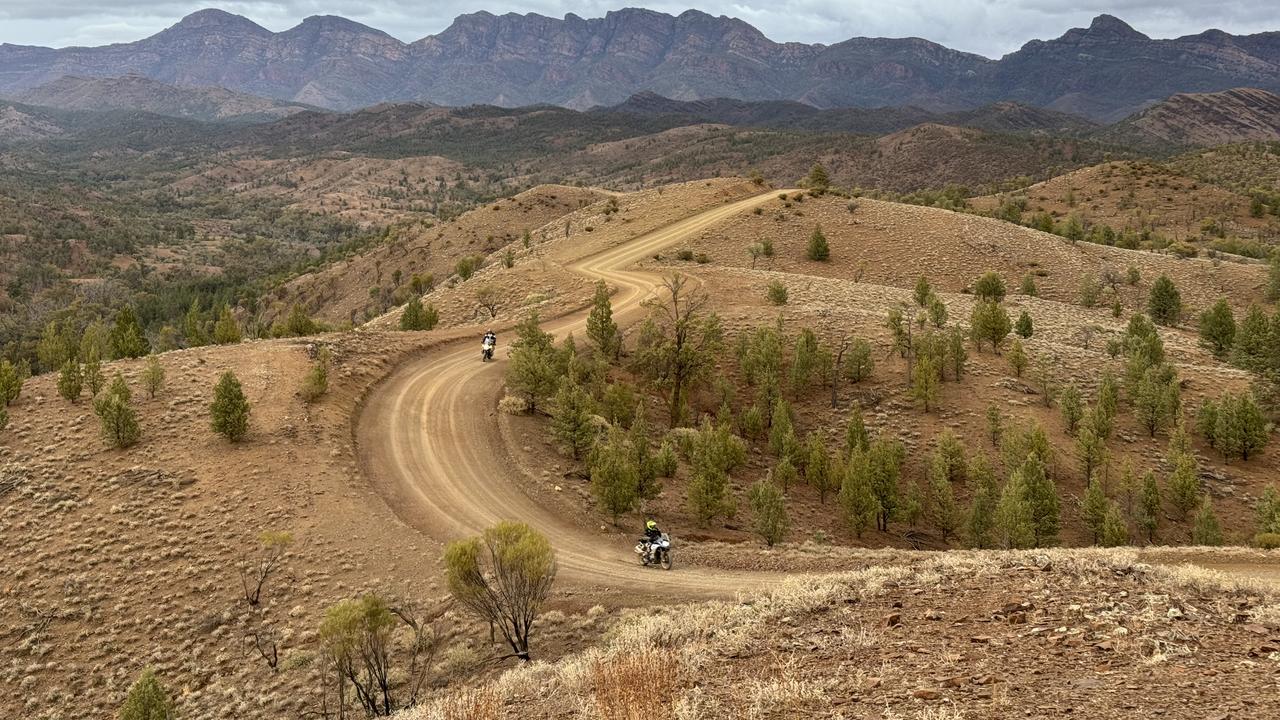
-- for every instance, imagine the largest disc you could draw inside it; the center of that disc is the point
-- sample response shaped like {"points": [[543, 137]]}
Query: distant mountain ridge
{"points": [[135, 92], [1231, 116], [1104, 72]]}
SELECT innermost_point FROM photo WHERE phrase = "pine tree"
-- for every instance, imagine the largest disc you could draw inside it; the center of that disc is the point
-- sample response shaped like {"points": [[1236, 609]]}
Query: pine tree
{"points": [[995, 424], [147, 700], [1165, 304], [153, 376], [858, 506], [855, 434], [818, 470], [1218, 328], [1268, 511], [769, 512], [92, 373], [818, 249], [57, 345], [804, 362], [1017, 358], [982, 508], [989, 323], [818, 179], [230, 409], [1042, 498], [944, 513], [957, 355], [784, 474], [571, 419], [923, 291], [1273, 277], [924, 382], [1239, 426], [951, 457], [534, 370], [884, 459], [1207, 530], [709, 482], [602, 331], [989, 287], [118, 420], [1014, 526], [1093, 509], [1072, 408], [415, 317], [1115, 532], [1024, 327], [193, 328], [937, 311], [226, 331], [1250, 346], [316, 382], [1184, 485], [1091, 448], [70, 381], [1108, 404], [127, 340], [782, 436], [11, 381], [615, 479], [1149, 508]]}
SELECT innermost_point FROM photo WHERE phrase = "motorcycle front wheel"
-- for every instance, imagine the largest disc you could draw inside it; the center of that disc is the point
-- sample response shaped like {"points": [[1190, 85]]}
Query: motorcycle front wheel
{"points": [[665, 560]]}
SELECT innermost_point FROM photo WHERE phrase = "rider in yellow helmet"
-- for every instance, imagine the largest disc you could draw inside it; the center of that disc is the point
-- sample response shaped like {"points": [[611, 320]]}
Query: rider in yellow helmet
{"points": [[651, 534]]}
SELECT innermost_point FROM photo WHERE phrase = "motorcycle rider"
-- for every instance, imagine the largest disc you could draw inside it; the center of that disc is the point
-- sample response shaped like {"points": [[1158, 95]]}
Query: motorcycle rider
{"points": [[490, 342], [651, 535]]}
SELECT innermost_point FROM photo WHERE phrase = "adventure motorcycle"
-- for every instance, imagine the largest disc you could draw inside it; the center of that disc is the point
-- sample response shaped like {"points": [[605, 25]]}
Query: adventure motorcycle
{"points": [[657, 552], [486, 351]]}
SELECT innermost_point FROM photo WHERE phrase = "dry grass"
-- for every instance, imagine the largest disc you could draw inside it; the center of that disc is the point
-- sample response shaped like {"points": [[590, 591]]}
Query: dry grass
{"points": [[640, 686]]}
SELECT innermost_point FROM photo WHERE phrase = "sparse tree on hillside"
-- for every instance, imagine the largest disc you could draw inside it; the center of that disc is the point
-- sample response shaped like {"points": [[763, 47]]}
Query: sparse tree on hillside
{"points": [[1091, 448], [995, 424], [70, 381], [944, 513], [230, 409], [1165, 303], [489, 298], [1024, 327], [57, 345], [1115, 531], [535, 369], [153, 376], [193, 326], [990, 287], [1207, 530], [1184, 485], [268, 558], [818, 249], [92, 372], [982, 508], [127, 340], [1014, 526], [1072, 408], [924, 382], [858, 505], [769, 512], [884, 459], [1090, 290], [1042, 497], [226, 331], [11, 380], [118, 419], [504, 577], [571, 419], [147, 700], [296, 324], [989, 323], [679, 342], [1149, 507], [923, 291], [1273, 277], [602, 331], [415, 317], [819, 472], [1239, 426], [1093, 509], [615, 479], [1017, 358], [709, 496], [818, 180], [1218, 328]]}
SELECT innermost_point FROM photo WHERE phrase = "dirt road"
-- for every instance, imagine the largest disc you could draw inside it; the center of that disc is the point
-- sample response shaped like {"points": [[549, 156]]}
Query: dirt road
{"points": [[429, 441]]}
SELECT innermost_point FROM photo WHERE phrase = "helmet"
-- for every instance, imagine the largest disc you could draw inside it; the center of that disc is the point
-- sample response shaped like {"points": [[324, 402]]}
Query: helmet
{"points": [[651, 525]]}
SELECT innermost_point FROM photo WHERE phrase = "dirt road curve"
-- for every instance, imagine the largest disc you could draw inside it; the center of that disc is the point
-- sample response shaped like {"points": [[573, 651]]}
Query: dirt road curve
{"points": [[429, 441]]}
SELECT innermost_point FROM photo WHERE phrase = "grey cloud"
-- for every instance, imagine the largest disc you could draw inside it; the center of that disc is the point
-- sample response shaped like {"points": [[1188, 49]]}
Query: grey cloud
{"points": [[987, 27]]}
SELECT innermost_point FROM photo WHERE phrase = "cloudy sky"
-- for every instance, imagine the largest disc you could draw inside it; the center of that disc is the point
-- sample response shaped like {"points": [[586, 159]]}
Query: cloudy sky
{"points": [[988, 27]]}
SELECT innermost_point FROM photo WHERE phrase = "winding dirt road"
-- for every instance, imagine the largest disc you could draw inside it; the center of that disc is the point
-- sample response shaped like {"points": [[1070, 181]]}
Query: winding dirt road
{"points": [[428, 440]]}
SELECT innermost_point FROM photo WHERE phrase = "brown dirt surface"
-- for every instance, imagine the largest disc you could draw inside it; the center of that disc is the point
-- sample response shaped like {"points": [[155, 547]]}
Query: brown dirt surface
{"points": [[1135, 195], [959, 635]]}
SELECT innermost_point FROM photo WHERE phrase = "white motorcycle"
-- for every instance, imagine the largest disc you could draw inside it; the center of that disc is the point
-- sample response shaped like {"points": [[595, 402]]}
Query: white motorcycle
{"points": [[486, 350], [657, 552]]}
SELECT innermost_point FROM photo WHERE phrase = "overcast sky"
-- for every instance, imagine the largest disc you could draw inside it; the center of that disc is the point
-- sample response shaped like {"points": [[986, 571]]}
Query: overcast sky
{"points": [[988, 27]]}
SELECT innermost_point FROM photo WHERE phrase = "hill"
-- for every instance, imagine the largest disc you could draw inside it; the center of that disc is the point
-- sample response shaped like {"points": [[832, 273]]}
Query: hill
{"points": [[1104, 72], [135, 92], [1203, 119]]}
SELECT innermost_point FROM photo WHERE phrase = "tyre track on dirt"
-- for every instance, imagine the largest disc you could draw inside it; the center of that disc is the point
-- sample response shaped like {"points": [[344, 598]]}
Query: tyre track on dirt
{"points": [[429, 442]]}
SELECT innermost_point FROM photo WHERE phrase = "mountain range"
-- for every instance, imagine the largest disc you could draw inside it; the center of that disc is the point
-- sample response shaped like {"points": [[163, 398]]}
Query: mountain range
{"points": [[1104, 72]]}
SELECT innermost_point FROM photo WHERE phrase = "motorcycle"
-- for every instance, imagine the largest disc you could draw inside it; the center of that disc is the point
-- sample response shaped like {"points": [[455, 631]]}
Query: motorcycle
{"points": [[658, 552], [486, 351]]}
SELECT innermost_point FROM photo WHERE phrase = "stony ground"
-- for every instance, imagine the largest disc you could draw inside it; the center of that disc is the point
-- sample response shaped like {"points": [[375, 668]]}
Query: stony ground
{"points": [[963, 635]]}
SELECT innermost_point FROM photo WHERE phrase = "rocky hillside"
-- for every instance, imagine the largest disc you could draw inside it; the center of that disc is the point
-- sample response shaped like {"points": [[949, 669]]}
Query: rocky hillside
{"points": [[1105, 71], [136, 92], [1207, 119]]}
